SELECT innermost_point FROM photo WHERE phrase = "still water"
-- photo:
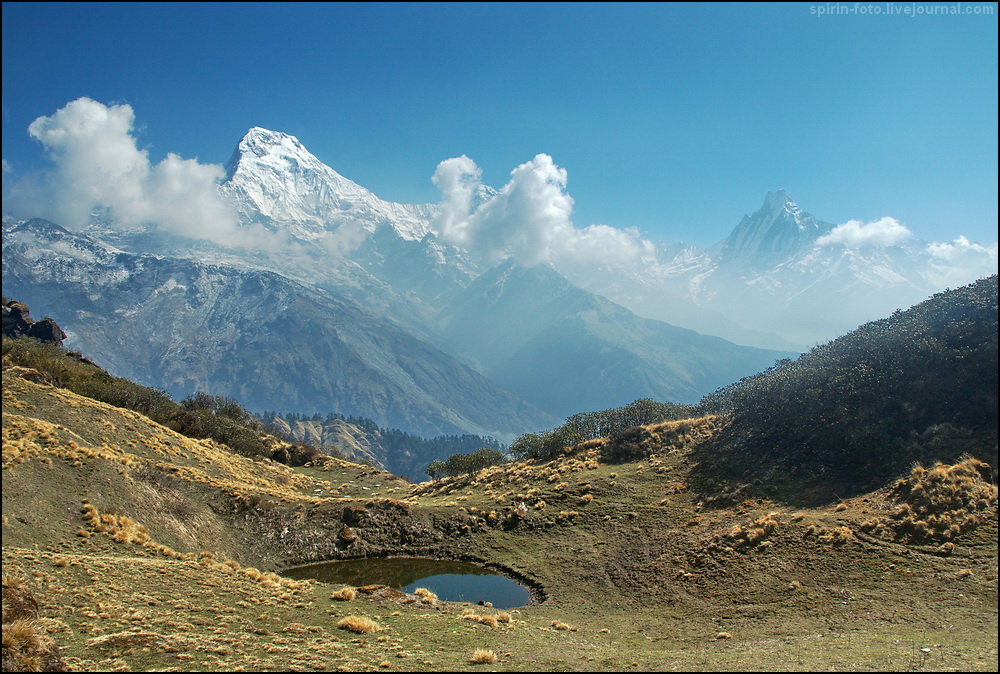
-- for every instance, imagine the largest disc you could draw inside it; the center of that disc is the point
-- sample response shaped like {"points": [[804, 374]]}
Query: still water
{"points": [[450, 581]]}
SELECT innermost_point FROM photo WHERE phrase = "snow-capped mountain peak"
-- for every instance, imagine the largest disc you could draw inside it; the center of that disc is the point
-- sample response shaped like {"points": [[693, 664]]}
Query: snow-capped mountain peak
{"points": [[775, 232], [261, 143], [275, 181]]}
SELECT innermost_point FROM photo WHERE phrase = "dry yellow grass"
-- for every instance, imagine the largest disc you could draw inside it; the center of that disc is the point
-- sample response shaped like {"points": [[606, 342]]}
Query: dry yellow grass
{"points": [[359, 624], [344, 594], [482, 656], [938, 504], [426, 596]]}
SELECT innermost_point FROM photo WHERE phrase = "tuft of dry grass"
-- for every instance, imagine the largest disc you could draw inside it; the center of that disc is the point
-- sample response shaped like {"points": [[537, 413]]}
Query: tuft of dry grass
{"points": [[359, 624], [836, 536], [481, 656], [344, 594], [426, 596], [753, 534], [488, 620], [28, 648], [938, 504]]}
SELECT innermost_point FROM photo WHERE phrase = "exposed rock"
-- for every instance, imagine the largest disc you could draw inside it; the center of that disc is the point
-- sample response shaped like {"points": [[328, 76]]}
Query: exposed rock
{"points": [[17, 321], [347, 535]]}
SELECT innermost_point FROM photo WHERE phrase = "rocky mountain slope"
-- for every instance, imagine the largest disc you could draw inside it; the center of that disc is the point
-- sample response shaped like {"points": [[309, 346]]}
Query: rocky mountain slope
{"points": [[553, 344], [253, 335]]}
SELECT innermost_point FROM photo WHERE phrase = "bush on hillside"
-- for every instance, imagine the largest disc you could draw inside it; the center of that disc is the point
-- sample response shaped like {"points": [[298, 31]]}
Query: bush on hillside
{"points": [[919, 386]]}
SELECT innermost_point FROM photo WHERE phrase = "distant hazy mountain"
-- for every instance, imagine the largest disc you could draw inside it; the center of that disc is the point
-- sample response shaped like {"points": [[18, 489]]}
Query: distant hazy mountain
{"points": [[779, 280], [567, 350], [269, 342]]}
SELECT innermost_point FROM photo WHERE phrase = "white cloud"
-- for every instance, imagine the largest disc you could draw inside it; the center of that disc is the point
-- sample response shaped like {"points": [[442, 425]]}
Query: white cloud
{"points": [[528, 219], [856, 234], [960, 247], [458, 179], [606, 244], [98, 168], [961, 261]]}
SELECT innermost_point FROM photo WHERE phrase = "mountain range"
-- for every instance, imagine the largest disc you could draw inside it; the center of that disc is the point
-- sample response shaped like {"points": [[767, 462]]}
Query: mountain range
{"points": [[783, 279], [325, 298]]}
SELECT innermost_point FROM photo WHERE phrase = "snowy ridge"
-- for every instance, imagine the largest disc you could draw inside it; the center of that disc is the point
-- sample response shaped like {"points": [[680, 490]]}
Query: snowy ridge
{"points": [[775, 232], [274, 180]]}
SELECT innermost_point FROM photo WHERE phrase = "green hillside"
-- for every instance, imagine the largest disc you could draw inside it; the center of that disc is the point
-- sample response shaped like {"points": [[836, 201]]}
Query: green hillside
{"points": [[129, 546], [919, 386]]}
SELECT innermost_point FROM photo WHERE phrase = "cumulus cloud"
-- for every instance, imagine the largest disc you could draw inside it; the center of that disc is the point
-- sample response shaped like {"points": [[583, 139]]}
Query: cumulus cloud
{"points": [[97, 167], [529, 218], [959, 248], [857, 234], [961, 261], [458, 179]]}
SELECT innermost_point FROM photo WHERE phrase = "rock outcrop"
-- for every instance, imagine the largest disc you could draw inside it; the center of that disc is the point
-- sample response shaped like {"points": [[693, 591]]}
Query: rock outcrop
{"points": [[17, 322]]}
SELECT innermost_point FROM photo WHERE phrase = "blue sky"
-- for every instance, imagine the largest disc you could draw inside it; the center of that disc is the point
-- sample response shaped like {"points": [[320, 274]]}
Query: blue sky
{"points": [[674, 119]]}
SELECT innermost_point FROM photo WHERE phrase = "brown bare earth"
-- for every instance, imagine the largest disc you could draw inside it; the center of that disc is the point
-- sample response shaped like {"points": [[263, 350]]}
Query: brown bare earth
{"points": [[128, 547]]}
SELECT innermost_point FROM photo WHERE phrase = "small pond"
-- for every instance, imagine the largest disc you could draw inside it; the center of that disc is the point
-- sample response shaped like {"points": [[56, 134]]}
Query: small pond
{"points": [[449, 580]]}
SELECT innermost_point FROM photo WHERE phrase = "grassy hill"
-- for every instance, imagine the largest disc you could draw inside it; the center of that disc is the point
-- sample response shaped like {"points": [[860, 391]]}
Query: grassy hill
{"points": [[705, 543], [919, 386], [132, 547]]}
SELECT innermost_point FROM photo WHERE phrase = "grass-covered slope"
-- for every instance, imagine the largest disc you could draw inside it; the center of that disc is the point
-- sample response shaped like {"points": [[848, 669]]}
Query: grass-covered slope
{"points": [[128, 546], [852, 414]]}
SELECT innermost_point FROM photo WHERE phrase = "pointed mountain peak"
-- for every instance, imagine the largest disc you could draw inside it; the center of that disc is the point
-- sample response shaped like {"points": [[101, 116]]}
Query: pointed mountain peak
{"points": [[265, 146], [778, 203], [261, 139], [276, 181], [775, 231], [777, 200]]}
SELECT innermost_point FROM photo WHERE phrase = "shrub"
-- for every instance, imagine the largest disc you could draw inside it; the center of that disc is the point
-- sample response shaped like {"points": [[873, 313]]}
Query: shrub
{"points": [[631, 444]]}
